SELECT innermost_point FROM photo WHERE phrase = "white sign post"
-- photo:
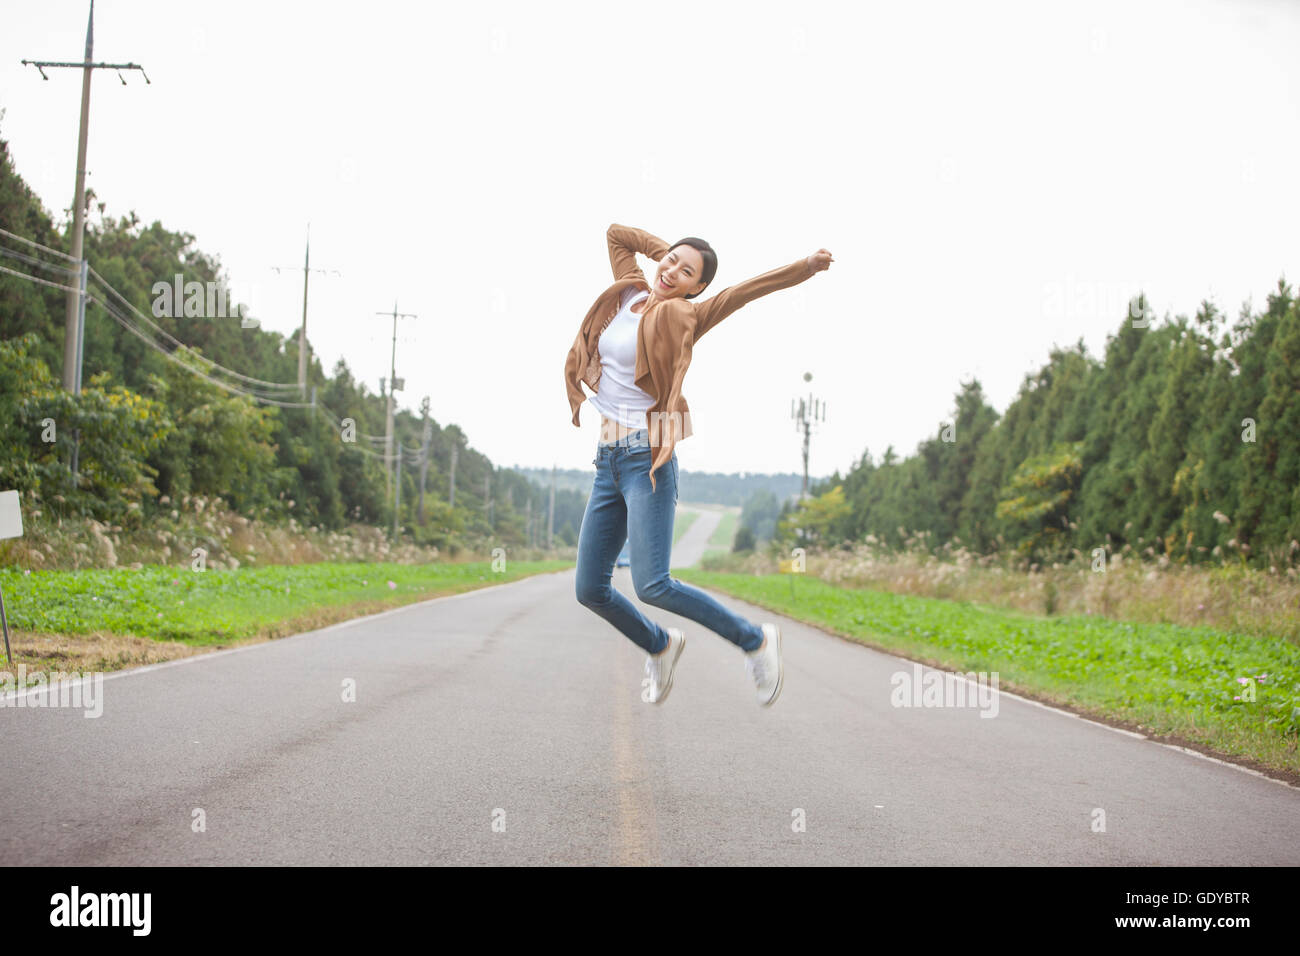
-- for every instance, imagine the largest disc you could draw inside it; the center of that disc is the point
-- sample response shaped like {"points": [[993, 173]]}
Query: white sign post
{"points": [[11, 526]]}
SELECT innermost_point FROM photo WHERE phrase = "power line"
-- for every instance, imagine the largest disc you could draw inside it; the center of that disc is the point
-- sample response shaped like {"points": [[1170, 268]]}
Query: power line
{"points": [[30, 260], [31, 242], [53, 285], [179, 345], [283, 386], [338, 423], [33, 261], [260, 384], [171, 356], [126, 322]]}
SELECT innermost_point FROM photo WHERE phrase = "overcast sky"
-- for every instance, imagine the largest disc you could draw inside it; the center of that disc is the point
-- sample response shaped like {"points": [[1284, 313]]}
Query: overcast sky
{"points": [[991, 178]]}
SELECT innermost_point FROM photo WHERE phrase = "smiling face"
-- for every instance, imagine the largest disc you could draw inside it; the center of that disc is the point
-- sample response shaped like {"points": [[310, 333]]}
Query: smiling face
{"points": [[679, 273]]}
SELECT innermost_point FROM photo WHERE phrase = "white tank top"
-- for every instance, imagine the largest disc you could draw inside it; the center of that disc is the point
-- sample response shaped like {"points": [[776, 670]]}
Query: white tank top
{"points": [[617, 396]]}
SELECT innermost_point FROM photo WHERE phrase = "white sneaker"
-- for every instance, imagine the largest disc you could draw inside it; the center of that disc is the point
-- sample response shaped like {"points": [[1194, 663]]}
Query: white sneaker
{"points": [[660, 667], [764, 666]]}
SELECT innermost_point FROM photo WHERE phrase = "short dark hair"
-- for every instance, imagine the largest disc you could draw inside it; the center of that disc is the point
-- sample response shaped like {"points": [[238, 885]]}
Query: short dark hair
{"points": [[706, 252]]}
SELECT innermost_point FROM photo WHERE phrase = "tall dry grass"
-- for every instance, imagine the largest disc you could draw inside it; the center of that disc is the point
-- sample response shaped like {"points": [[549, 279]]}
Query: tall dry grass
{"points": [[230, 540], [1228, 596]]}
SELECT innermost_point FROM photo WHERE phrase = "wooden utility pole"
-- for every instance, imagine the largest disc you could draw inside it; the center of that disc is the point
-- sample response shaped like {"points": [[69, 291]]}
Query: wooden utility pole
{"points": [[455, 454], [397, 510], [395, 385], [307, 270], [424, 452], [74, 322], [550, 520]]}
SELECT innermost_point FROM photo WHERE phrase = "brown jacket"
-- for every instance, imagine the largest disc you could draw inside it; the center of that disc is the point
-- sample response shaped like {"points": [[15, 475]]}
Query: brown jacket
{"points": [[667, 332]]}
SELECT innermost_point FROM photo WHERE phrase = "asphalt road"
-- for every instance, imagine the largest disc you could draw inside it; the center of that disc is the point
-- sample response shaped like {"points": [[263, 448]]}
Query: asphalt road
{"points": [[690, 547], [505, 726]]}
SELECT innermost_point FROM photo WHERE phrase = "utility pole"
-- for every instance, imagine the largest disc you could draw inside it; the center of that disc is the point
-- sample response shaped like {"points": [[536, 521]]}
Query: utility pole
{"points": [[805, 412], [550, 521], [307, 270], [397, 510], [487, 499], [424, 452], [394, 385], [455, 454], [74, 322]]}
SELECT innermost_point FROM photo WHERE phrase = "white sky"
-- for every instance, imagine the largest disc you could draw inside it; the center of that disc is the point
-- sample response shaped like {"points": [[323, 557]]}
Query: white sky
{"points": [[991, 178]]}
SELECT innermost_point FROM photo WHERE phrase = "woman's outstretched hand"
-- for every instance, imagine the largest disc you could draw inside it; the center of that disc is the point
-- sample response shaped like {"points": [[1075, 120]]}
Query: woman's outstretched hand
{"points": [[819, 260]]}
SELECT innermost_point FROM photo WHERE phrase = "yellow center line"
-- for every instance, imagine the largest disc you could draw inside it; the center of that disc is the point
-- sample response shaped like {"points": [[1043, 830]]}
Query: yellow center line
{"points": [[636, 839]]}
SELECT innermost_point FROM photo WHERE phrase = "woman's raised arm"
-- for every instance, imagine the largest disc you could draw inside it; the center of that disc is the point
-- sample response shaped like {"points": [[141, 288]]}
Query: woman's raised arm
{"points": [[625, 242], [712, 311]]}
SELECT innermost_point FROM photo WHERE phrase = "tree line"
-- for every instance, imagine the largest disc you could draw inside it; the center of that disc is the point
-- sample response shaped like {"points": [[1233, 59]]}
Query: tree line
{"points": [[1181, 442], [150, 430]]}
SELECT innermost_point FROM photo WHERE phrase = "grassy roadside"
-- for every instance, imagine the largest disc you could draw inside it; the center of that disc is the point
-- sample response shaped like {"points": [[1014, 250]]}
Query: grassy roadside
{"points": [[682, 523], [107, 619], [725, 533], [1176, 682]]}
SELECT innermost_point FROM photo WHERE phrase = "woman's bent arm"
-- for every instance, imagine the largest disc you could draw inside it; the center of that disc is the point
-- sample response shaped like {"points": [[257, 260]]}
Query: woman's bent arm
{"points": [[625, 242]]}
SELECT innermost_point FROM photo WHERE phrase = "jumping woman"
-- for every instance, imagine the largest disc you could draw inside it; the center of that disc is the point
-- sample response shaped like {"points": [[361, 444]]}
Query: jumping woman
{"points": [[632, 351]]}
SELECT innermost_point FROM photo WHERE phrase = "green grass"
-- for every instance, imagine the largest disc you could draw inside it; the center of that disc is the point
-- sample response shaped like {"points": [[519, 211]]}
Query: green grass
{"points": [[725, 533], [216, 607], [1166, 679], [682, 523]]}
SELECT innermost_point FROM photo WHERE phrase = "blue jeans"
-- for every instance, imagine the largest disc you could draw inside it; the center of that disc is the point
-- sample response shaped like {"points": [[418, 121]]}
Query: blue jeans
{"points": [[621, 508]]}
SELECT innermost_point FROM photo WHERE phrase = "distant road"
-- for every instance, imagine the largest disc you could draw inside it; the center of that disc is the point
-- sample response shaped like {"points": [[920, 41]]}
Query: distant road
{"points": [[690, 548], [514, 703]]}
